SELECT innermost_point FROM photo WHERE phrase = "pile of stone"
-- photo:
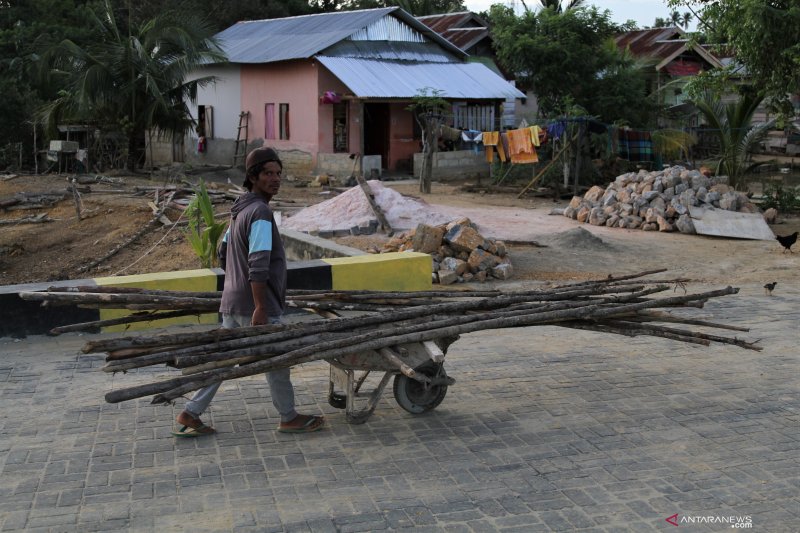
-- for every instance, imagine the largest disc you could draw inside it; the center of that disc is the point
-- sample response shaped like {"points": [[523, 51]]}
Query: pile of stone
{"points": [[460, 254], [656, 201]]}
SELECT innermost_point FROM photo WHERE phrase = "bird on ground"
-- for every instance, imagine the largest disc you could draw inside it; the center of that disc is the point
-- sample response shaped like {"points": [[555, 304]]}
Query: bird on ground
{"points": [[787, 241], [768, 288]]}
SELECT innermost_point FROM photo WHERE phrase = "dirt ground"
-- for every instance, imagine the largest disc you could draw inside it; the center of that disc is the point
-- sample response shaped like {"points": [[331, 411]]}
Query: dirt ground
{"points": [[543, 247]]}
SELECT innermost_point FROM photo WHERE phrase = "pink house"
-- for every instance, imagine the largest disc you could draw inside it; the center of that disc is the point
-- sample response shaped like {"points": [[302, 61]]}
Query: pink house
{"points": [[321, 87]]}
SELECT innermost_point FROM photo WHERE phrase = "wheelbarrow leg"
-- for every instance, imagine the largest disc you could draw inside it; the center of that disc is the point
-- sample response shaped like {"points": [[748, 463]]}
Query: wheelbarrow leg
{"points": [[359, 416], [347, 380]]}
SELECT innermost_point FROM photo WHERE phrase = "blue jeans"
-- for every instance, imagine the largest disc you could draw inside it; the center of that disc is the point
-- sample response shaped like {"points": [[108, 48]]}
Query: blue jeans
{"points": [[280, 384]]}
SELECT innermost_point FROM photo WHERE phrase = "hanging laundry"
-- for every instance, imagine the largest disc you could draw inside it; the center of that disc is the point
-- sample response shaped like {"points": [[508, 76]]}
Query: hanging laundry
{"points": [[556, 129], [502, 148], [490, 139], [635, 145], [472, 138], [521, 147], [536, 135]]}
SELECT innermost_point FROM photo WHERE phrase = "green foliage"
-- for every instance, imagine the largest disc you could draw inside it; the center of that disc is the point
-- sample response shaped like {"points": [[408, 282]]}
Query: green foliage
{"points": [[738, 137], [204, 231], [785, 200], [571, 55], [670, 144], [762, 36], [132, 78], [418, 8]]}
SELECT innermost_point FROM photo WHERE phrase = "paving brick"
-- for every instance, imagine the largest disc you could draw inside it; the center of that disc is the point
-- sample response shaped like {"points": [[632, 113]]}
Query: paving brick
{"points": [[535, 436]]}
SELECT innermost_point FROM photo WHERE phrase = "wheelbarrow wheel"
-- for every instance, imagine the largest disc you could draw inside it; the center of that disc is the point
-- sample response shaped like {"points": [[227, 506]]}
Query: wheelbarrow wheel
{"points": [[416, 397]]}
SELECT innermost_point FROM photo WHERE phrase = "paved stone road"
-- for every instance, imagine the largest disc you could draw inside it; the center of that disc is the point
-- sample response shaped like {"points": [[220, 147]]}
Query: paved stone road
{"points": [[546, 429]]}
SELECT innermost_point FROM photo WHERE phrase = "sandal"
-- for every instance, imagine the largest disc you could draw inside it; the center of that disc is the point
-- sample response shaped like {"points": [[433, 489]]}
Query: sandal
{"points": [[194, 428], [312, 423], [198, 431]]}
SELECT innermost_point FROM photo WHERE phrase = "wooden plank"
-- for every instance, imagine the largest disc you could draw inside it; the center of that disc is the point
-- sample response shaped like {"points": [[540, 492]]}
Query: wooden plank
{"points": [[385, 226], [722, 223]]}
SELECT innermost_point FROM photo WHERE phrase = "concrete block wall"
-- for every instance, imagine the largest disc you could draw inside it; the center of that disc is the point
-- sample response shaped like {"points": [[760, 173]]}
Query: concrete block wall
{"points": [[458, 164], [350, 270]]}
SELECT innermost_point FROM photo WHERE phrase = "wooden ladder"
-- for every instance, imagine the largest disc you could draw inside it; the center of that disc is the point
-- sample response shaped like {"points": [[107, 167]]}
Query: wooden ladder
{"points": [[240, 152]]}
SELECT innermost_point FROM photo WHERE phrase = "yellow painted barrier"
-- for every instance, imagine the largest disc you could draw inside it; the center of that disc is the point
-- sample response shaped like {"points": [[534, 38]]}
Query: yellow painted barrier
{"points": [[397, 271], [201, 280]]}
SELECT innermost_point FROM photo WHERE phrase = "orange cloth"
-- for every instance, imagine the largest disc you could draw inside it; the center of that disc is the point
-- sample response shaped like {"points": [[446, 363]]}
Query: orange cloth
{"points": [[520, 147], [490, 140]]}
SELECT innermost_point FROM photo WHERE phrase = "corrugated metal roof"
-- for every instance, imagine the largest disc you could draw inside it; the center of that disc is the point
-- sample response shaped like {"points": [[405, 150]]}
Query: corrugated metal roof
{"points": [[369, 78], [390, 50], [465, 38], [266, 41], [463, 29], [662, 44]]}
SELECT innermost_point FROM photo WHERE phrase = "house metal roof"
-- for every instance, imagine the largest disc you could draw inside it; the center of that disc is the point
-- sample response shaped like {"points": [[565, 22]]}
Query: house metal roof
{"points": [[397, 50], [267, 41], [662, 44], [463, 29], [369, 78]]}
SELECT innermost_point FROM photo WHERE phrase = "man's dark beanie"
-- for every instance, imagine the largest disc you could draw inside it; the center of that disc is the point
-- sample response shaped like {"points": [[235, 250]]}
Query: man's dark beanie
{"points": [[259, 156]]}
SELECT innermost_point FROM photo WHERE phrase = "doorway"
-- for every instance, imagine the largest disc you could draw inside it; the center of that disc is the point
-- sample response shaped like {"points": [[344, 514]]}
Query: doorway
{"points": [[376, 131]]}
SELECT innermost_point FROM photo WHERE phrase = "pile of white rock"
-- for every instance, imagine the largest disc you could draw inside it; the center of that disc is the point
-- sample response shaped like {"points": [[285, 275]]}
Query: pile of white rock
{"points": [[656, 200], [459, 252]]}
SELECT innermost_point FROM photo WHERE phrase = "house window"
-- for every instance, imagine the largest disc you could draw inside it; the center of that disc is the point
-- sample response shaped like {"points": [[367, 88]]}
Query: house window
{"points": [[269, 121], [283, 111], [205, 121], [340, 128]]}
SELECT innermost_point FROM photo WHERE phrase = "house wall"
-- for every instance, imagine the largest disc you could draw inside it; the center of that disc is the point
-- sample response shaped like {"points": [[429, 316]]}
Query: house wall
{"points": [[289, 82], [224, 97], [402, 145], [329, 162], [460, 164]]}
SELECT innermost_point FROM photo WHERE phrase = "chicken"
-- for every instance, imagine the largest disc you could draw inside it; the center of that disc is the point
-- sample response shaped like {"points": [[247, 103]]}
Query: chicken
{"points": [[769, 287], [787, 241]]}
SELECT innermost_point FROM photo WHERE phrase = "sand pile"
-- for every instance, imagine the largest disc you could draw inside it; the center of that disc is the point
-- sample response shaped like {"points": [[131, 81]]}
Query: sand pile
{"points": [[577, 239], [351, 208]]}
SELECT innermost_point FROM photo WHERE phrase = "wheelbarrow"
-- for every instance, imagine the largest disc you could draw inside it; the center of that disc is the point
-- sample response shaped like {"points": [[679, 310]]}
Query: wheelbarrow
{"points": [[420, 382]]}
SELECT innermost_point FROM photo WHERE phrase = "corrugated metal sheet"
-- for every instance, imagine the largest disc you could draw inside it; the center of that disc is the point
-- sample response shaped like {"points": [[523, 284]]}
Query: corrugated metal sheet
{"points": [[442, 23], [466, 38], [661, 44], [369, 78], [657, 43], [464, 29], [388, 29], [390, 50], [266, 41]]}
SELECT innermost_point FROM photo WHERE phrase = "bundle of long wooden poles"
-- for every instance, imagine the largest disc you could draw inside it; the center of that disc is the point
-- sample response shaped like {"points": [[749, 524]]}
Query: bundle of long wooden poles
{"points": [[621, 305]]}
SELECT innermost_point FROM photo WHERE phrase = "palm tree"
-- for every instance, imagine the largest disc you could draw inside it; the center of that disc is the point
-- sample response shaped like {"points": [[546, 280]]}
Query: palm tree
{"points": [[686, 20], [675, 18], [561, 7], [738, 137], [133, 79]]}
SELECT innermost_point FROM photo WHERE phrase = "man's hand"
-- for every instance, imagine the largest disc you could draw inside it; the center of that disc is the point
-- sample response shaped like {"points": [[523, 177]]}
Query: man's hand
{"points": [[259, 289], [259, 317]]}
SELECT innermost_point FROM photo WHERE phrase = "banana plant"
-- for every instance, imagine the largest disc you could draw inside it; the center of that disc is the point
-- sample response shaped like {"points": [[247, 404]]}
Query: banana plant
{"points": [[203, 240]]}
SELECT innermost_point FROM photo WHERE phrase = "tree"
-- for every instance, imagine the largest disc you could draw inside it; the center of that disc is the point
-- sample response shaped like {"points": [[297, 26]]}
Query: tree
{"points": [[738, 137], [571, 56], [418, 8], [763, 36], [133, 79], [559, 6], [25, 29], [428, 108]]}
